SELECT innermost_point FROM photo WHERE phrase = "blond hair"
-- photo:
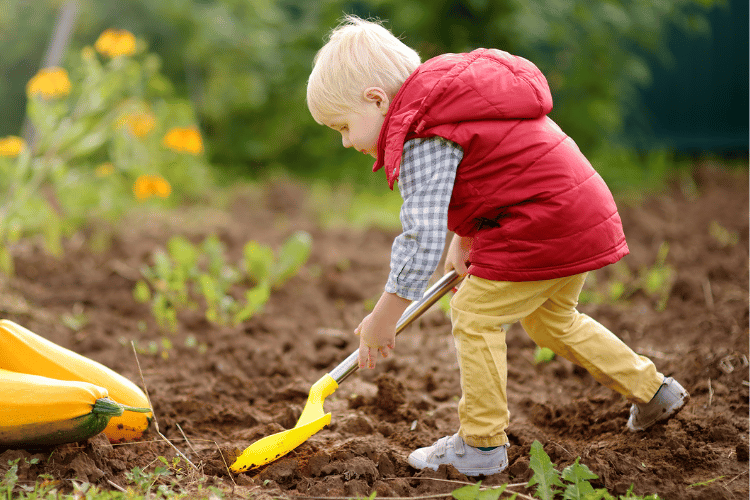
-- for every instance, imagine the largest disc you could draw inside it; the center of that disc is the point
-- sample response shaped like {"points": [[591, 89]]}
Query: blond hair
{"points": [[358, 54]]}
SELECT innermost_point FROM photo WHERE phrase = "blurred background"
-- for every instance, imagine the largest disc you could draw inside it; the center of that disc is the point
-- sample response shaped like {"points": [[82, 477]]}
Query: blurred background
{"points": [[629, 78]]}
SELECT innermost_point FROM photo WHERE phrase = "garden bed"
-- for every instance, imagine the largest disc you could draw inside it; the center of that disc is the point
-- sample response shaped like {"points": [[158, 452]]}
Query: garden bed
{"points": [[223, 387]]}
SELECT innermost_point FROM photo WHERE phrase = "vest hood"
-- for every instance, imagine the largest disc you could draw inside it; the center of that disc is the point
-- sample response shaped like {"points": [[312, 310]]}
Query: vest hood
{"points": [[485, 84]]}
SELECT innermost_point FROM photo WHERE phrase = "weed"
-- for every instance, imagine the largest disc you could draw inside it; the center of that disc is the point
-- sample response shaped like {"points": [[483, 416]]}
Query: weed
{"points": [[573, 483], [706, 483], [75, 320], [545, 477]]}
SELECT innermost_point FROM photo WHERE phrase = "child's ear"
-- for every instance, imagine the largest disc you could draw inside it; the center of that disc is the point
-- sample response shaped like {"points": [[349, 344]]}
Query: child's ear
{"points": [[378, 96]]}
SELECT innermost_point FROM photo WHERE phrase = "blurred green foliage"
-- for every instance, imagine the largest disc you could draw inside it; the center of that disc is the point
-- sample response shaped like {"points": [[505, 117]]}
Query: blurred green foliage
{"points": [[109, 137], [243, 63], [200, 276]]}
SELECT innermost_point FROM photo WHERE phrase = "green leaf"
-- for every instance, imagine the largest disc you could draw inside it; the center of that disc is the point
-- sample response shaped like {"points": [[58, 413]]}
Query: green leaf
{"points": [[20, 170], [209, 289], [141, 292], [177, 286], [543, 355], [616, 290], [474, 492], [255, 299], [162, 265], [705, 483], [661, 256], [578, 474], [293, 254], [212, 315], [6, 262], [11, 477], [468, 492], [163, 311], [545, 476], [74, 321], [214, 250], [184, 253], [257, 261]]}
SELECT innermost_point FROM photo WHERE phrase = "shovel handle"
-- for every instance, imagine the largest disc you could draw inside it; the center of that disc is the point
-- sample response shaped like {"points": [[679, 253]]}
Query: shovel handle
{"points": [[415, 310]]}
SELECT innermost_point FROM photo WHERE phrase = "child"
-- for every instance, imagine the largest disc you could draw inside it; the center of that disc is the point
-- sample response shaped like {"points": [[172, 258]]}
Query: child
{"points": [[469, 140]]}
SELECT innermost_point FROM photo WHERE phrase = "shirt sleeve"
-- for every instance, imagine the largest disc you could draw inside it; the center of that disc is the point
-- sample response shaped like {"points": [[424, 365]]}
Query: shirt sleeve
{"points": [[428, 171]]}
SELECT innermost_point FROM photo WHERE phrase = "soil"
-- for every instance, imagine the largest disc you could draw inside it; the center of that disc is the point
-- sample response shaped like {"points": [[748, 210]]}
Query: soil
{"points": [[216, 389]]}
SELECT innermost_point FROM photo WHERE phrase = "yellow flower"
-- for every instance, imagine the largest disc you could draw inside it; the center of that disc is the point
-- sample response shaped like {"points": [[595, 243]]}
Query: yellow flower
{"points": [[148, 185], [187, 140], [50, 83], [11, 146], [104, 170], [114, 43], [140, 124]]}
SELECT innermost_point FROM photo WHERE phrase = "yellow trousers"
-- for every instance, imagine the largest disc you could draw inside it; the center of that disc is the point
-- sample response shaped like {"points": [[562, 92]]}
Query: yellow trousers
{"points": [[547, 311]]}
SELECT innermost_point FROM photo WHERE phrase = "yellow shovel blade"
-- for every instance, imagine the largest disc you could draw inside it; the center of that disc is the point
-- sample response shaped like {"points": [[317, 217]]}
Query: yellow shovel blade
{"points": [[277, 445]]}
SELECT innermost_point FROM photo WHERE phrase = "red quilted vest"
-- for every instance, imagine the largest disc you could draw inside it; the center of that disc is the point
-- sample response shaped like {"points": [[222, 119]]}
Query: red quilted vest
{"points": [[534, 205]]}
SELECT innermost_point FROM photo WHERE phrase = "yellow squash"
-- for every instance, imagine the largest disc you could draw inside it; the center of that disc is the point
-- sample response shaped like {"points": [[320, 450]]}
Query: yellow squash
{"points": [[23, 351], [40, 411]]}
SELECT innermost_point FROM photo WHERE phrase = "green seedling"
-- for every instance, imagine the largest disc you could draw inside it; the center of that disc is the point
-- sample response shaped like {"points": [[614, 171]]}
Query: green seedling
{"points": [[705, 483], [545, 478], [191, 275], [573, 483], [257, 261], [578, 475], [291, 257], [655, 281], [543, 355]]}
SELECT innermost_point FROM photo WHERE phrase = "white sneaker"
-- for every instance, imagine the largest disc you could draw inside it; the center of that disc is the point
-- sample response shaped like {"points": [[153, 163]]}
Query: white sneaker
{"points": [[466, 459], [668, 400]]}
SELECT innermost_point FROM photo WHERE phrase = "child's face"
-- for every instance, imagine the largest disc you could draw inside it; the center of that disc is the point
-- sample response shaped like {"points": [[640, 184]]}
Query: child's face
{"points": [[360, 127]]}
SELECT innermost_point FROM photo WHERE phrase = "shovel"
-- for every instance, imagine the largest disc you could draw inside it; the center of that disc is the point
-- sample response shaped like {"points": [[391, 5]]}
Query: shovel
{"points": [[313, 417]]}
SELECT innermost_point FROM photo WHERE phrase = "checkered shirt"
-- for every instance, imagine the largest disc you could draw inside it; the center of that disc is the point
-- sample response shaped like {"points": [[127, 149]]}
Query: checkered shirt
{"points": [[428, 171]]}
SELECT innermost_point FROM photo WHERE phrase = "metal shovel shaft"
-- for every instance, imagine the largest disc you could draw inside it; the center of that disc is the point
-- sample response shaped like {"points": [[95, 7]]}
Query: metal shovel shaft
{"points": [[415, 309], [313, 417]]}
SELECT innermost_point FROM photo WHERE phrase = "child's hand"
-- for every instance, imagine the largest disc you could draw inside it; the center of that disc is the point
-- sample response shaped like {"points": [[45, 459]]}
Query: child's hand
{"points": [[374, 338], [457, 256], [377, 332]]}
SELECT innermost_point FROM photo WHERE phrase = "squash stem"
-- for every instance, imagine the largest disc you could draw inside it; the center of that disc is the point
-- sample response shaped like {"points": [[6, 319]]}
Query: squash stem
{"points": [[136, 409], [105, 406]]}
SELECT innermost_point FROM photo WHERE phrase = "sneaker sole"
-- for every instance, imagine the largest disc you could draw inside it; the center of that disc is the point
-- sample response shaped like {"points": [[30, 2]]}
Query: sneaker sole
{"points": [[465, 472], [418, 464]]}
